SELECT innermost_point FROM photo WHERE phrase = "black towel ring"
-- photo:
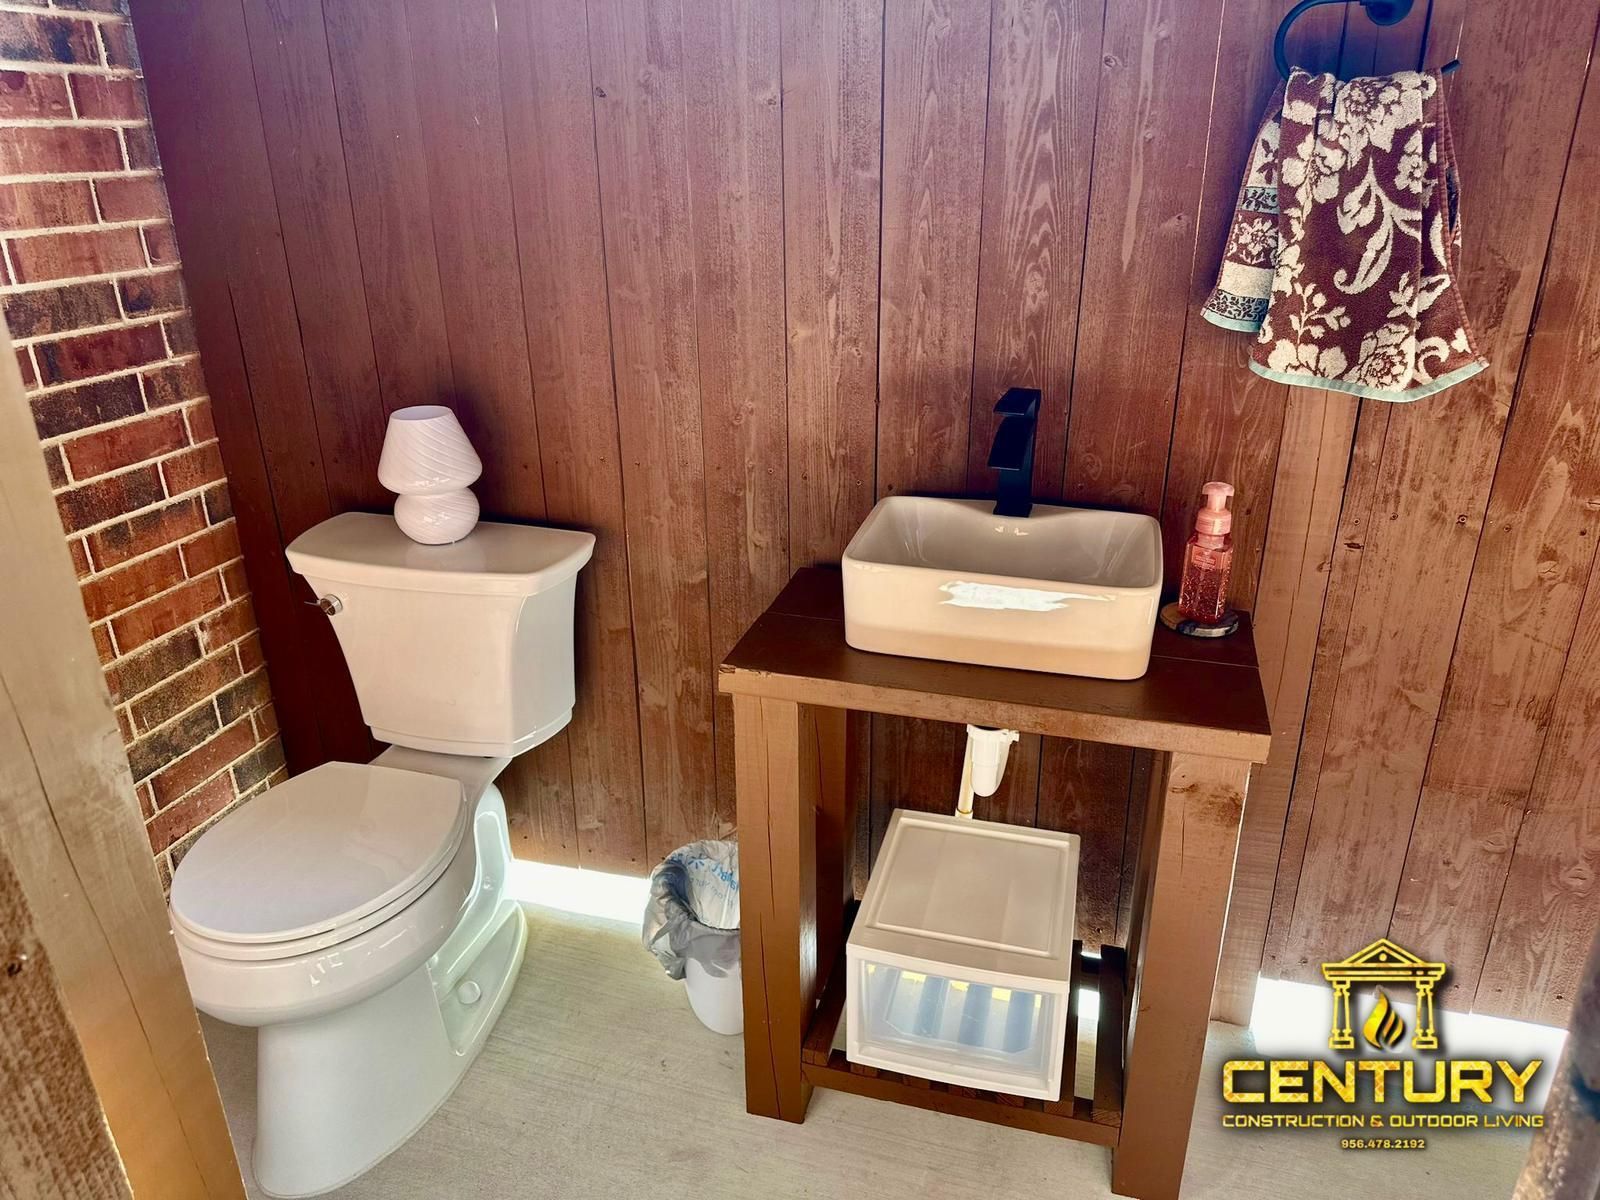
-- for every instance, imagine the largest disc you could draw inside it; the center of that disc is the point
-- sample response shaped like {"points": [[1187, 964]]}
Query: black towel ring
{"points": [[1379, 12]]}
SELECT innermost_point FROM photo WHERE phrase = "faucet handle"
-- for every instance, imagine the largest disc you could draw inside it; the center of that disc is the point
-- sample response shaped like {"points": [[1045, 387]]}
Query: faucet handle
{"points": [[1020, 402]]}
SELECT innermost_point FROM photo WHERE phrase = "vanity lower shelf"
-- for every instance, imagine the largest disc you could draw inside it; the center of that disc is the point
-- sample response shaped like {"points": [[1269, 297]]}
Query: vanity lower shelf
{"points": [[1095, 1118]]}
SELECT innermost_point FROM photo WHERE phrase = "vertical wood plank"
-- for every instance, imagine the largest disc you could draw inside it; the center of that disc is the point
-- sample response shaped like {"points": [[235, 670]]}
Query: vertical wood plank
{"points": [[1039, 143], [1522, 607], [1150, 137], [637, 59], [369, 52], [735, 164], [300, 121], [474, 231], [1551, 906], [780, 780], [1318, 432], [548, 100], [1433, 484], [832, 139], [1083, 788], [936, 70], [1185, 901]]}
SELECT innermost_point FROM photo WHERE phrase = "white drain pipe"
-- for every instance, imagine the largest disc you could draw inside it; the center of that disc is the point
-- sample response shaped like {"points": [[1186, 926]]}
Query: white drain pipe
{"points": [[983, 765]]}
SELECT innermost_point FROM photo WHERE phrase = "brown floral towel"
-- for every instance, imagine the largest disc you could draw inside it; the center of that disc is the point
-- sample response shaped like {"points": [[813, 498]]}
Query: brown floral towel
{"points": [[1345, 239]]}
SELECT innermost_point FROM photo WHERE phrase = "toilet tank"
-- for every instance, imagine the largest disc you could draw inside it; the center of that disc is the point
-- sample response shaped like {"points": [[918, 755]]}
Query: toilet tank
{"points": [[458, 649]]}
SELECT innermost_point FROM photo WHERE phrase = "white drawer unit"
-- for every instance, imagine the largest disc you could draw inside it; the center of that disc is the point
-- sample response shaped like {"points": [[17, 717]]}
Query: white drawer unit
{"points": [[960, 959]]}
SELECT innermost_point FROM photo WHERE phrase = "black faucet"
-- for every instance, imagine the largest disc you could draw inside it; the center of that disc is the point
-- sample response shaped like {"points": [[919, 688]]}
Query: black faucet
{"points": [[1012, 452]]}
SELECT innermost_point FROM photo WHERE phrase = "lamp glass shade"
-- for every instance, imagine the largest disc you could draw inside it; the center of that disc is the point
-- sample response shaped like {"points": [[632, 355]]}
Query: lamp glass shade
{"points": [[426, 452]]}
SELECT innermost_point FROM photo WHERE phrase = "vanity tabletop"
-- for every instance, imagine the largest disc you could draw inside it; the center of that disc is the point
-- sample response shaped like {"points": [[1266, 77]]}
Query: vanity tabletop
{"points": [[1200, 695]]}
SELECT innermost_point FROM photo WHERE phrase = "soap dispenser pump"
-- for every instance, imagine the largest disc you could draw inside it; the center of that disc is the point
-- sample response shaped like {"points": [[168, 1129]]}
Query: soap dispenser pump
{"points": [[1208, 559]]}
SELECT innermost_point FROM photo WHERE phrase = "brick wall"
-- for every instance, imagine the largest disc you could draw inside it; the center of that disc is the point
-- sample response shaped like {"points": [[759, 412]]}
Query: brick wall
{"points": [[94, 300]]}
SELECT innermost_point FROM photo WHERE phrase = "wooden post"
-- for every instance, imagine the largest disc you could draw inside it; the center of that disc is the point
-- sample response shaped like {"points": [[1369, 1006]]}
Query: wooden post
{"points": [[1184, 906], [789, 759]]}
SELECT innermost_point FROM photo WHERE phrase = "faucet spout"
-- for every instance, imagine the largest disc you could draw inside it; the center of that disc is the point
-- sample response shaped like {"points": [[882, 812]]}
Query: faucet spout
{"points": [[1011, 454]]}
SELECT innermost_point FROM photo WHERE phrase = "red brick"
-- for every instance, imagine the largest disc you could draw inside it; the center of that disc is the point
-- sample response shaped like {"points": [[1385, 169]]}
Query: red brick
{"points": [[161, 292], [201, 428], [165, 613], [173, 822], [26, 38], [266, 722], [211, 549], [59, 150], [108, 98], [141, 145], [183, 691], [105, 6], [219, 503], [243, 697], [139, 672], [84, 407], [171, 742], [147, 801], [46, 204], [80, 557], [181, 334], [120, 48], [233, 580], [109, 498], [175, 383], [25, 369], [118, 590], [31, 95], [55, 466], [163, 250], [61, 309], [203, 762], [108, 450], [228, 625], [261, 763], [131, 199], [146, 532], [102, 353], [250, 653], [68, 255], [193, 468], [124, 727], [102, 644]]}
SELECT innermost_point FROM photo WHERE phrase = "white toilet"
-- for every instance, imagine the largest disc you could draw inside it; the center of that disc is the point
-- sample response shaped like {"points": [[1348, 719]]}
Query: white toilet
{"points": [[357, 913]]}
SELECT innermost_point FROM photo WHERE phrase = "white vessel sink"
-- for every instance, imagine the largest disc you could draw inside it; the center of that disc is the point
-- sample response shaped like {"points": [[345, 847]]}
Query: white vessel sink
{"points": [[1072, 591]]}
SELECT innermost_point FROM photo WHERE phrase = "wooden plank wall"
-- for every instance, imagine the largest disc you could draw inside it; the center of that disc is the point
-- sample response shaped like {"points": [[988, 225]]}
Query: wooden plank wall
{"points": [[711, 279]]}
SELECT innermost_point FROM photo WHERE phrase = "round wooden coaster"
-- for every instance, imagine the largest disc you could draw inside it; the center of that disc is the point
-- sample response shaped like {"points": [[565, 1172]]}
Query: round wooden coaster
{"points": [[1174, 620]]}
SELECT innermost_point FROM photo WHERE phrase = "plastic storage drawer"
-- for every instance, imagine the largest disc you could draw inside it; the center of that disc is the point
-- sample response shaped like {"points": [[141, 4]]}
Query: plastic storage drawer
{"points": [[960, 958]]}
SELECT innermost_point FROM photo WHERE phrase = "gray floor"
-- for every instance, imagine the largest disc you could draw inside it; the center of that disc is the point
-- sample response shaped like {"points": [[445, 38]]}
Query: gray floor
{"points": [[599, 1083]]}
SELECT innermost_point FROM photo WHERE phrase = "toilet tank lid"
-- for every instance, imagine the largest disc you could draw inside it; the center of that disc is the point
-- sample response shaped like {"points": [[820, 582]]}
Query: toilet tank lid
{"points": [[494, 559]]}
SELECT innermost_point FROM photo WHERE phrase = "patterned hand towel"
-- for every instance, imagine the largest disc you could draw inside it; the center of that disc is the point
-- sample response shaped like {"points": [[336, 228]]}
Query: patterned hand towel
{"points": [[1345, 240]]}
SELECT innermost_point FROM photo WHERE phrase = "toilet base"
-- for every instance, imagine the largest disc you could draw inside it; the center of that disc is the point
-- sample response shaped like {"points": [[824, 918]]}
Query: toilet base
{"points": [[337, 1093]]}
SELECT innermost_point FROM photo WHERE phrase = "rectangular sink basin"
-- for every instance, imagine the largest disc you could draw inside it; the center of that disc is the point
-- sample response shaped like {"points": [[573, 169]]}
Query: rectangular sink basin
{"points": [[1071, 591]]}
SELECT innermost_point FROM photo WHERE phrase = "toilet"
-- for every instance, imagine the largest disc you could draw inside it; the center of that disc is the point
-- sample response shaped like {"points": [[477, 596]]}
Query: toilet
{"points": [[357, 914]]}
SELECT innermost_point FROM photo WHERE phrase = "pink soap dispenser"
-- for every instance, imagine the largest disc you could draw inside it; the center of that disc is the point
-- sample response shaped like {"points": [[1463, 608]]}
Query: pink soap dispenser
{"points": [[1208, 559]]}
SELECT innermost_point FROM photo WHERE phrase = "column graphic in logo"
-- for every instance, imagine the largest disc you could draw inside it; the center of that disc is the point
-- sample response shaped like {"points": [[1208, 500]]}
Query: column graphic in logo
{"points": [[1383, 962]]}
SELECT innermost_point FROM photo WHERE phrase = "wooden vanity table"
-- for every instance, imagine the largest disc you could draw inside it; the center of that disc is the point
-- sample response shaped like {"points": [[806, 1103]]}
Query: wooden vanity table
{"points": [[793, 680]]}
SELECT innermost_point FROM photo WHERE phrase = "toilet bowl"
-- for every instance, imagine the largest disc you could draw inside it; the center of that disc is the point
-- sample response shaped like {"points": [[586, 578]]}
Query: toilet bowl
{"points": [[357, 914]]}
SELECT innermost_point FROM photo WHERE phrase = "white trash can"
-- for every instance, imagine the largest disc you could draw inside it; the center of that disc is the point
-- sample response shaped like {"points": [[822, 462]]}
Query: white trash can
{"points": [[691, 925]]}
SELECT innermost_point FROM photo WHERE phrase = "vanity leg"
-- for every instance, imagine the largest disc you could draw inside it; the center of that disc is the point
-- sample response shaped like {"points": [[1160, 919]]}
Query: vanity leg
{"points": [[785, 773], [1176, 942]]}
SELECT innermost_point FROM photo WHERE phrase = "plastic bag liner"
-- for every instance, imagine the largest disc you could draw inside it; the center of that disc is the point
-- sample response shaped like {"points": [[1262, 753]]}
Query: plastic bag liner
{"points": [[693, 911]]}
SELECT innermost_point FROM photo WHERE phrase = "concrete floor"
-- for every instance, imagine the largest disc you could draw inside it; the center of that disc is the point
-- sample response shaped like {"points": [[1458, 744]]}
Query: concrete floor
{"points": [[599, 1083]]}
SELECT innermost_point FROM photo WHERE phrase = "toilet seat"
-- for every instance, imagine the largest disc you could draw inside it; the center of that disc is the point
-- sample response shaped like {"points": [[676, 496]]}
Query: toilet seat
{"points": [[317, 860]]}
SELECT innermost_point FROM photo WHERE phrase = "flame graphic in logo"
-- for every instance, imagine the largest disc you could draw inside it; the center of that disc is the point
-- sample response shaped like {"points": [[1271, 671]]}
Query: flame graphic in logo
{"points": [[1383, 1027]]}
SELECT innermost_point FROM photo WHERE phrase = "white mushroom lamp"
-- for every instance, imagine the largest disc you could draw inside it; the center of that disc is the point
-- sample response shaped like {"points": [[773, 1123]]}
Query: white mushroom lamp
{"points": [[428, 461]]}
